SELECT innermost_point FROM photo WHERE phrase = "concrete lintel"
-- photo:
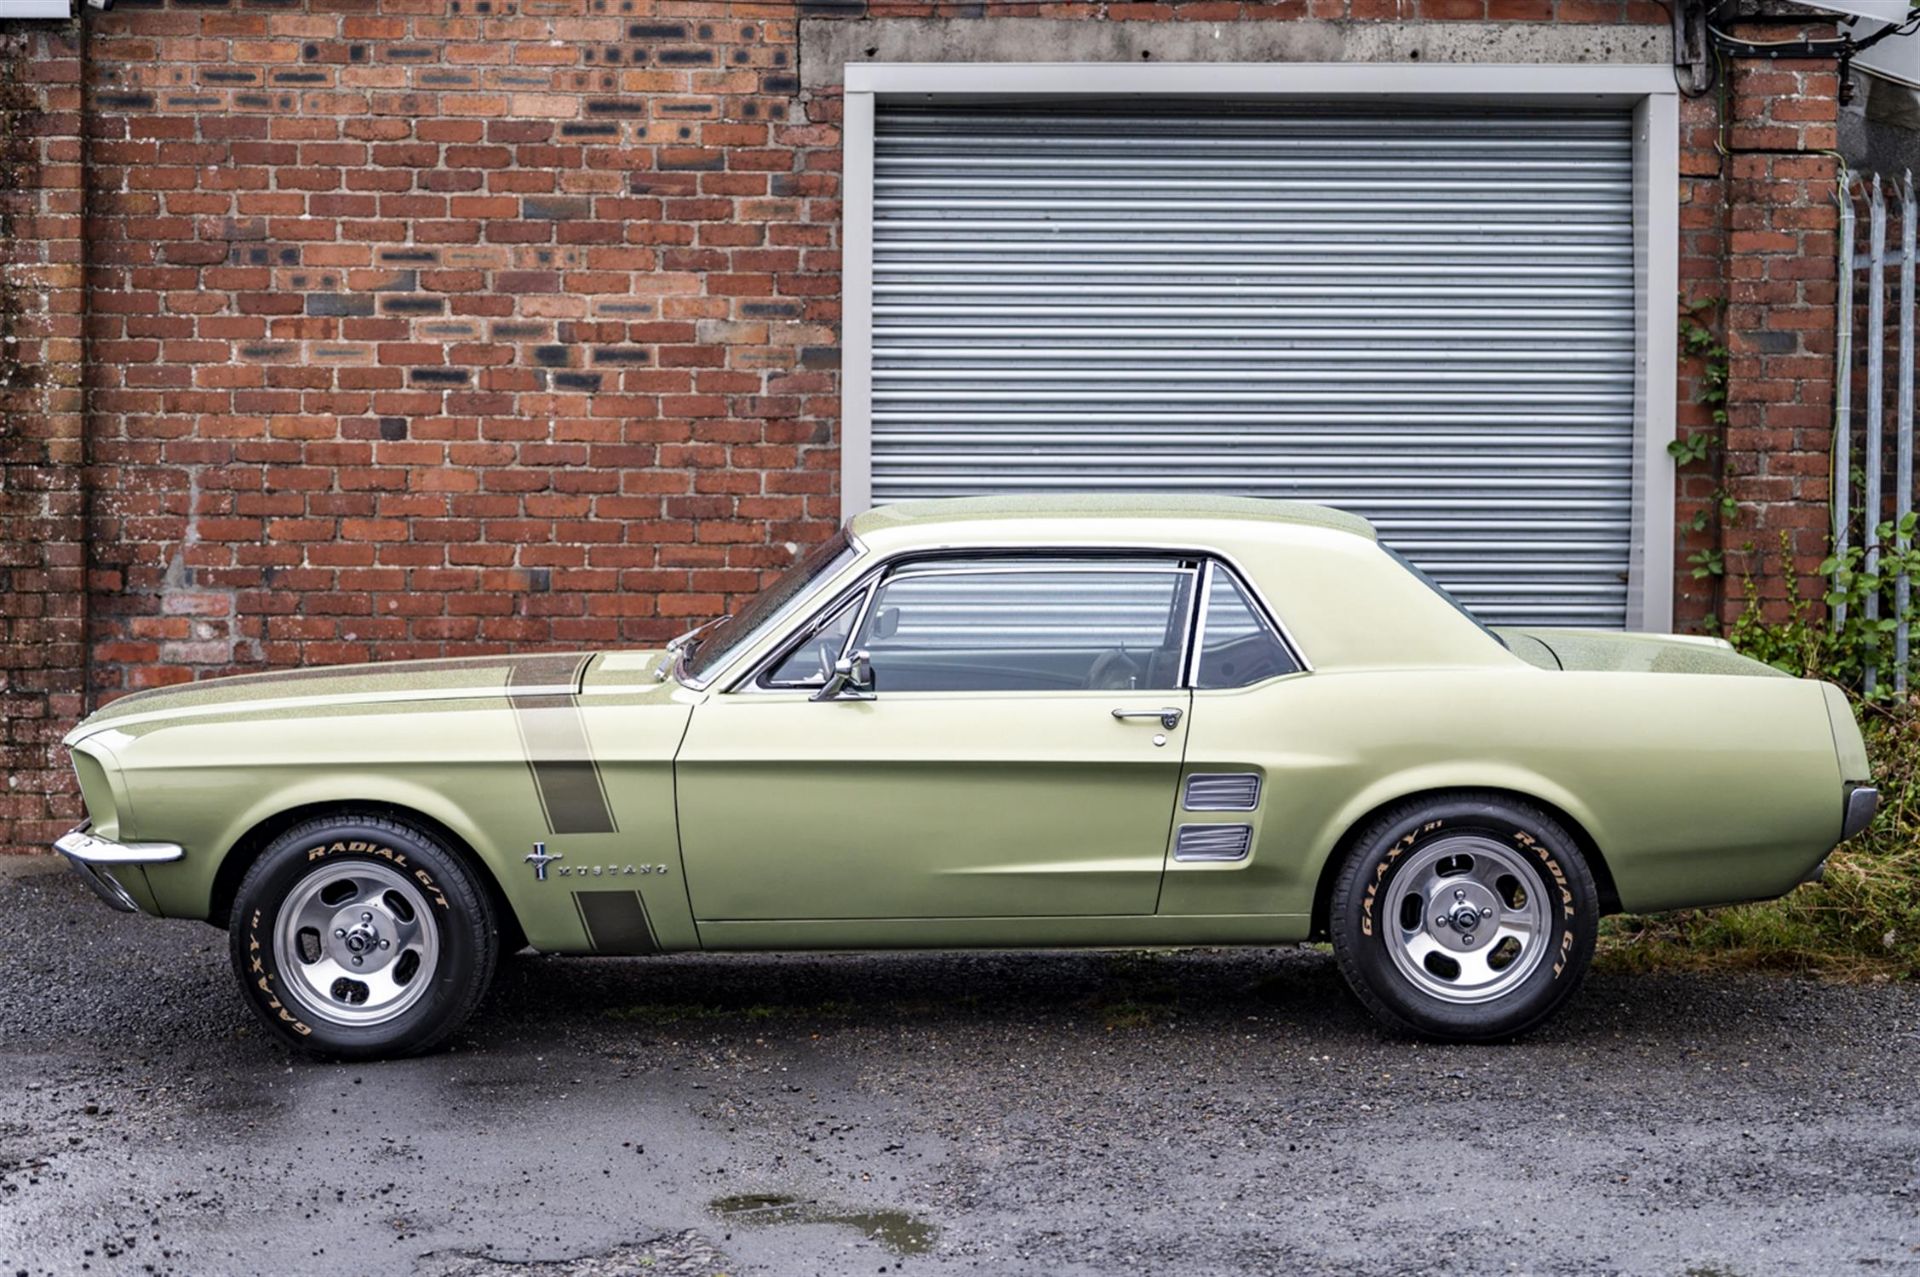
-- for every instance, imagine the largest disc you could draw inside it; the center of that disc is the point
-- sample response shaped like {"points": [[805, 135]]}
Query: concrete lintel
{"points": [[828, 45]]}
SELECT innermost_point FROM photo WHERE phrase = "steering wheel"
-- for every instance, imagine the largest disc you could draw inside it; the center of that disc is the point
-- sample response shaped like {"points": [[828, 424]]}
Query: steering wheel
{"points": [[827, 659]]}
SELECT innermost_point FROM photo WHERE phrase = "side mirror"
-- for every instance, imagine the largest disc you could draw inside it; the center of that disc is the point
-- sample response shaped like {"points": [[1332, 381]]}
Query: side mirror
{"points": [[852, 680], [886, 623]]}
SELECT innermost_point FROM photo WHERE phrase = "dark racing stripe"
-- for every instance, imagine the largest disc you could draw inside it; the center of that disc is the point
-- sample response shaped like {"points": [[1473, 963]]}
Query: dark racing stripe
{"points": [[554, 734], [616, 921]]}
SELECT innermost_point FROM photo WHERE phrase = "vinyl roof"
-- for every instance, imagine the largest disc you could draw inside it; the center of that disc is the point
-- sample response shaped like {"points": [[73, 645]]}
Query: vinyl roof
{"points": [[1156, 506]]}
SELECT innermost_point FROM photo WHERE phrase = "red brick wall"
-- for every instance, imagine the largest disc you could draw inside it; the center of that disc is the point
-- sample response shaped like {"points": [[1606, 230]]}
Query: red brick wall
{"points": [[420, 331], [1780, 219], [421, 327], [43, 655]]}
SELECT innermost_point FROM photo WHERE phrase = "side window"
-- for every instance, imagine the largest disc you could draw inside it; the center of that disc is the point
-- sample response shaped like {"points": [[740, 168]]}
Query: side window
{"points": [[1237, 645], [1009, 626], [811, 660]]}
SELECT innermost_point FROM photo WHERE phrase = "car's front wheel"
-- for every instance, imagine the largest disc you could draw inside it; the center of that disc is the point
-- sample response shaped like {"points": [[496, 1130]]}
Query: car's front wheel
{"points": [[359, 937], [1469, 917]]}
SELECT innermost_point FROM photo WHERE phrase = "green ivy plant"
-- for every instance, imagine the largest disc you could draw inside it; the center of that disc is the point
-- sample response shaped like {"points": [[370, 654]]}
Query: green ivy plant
{"points": [[1807, 643], [1690, 449], [1698, 342]]}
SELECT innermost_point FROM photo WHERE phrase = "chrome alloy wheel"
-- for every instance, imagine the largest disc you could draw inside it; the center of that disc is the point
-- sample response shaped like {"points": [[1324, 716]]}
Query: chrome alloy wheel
{"points": [[356, 944], [1466, 919]]}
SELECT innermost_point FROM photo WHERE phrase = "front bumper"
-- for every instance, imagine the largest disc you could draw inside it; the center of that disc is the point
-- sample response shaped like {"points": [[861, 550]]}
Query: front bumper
{"points": [[95, 859]]}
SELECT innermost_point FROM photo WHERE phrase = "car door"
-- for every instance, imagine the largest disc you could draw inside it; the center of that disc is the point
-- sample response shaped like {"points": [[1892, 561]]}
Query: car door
{"points": [[1018, 755], [1251, 770]]}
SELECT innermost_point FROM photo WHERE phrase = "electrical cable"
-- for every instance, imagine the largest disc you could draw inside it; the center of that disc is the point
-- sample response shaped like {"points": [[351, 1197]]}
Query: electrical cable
{"points": [[1674, 22], [1904, 27]]}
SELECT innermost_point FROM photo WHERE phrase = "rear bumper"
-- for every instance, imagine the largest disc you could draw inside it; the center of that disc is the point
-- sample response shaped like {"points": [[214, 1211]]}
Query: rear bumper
{"points": [[95, 860], [1862, 802], [1857, 813]]}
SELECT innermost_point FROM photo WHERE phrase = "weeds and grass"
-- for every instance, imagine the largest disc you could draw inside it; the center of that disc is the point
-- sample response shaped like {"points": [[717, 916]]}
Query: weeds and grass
{"points": [[1862, 923]]}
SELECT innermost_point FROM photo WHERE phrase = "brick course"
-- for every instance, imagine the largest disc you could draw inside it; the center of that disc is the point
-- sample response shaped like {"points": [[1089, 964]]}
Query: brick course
{"points": [[428, 327]]}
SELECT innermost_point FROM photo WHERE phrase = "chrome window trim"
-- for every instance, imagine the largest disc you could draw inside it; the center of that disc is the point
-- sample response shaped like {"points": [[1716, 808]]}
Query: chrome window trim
{"points": [[875, 580], [1266, 610], [1186, 791], [1196, 575], [1084, 564], [751, 681], [864, 615], [1190, 672], [1087, 565], [817, 622], [1262, 614], [753, 666]]}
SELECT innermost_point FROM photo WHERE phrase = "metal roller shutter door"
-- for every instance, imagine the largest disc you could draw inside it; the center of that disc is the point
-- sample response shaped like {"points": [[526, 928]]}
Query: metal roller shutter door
{"points": [[1422, 315]]}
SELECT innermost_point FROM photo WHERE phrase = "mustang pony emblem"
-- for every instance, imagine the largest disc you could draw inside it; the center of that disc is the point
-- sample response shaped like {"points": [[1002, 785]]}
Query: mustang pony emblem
{"points": [[540, 860]]}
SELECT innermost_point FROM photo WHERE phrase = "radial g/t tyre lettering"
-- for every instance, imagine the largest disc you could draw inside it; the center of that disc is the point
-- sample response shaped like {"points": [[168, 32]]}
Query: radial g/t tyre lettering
{"points": [[1467, 916], [359, 937]]}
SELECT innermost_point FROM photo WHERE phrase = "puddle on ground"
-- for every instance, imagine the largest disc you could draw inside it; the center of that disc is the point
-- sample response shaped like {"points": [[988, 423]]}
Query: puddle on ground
{"points": [[898, 1231]]}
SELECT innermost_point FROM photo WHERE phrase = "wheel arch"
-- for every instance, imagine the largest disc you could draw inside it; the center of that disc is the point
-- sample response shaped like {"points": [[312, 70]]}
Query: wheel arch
{"points": [[257, 837], [1577, 829]]}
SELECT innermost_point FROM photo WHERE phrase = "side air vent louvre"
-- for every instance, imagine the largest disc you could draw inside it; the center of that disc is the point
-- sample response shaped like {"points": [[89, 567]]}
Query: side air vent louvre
{"points": [[1213, 842], [1223, 791]]}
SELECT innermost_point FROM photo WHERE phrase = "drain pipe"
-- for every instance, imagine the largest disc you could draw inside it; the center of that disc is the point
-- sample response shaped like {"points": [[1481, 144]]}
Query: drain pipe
{"points": [[1840, 498]]}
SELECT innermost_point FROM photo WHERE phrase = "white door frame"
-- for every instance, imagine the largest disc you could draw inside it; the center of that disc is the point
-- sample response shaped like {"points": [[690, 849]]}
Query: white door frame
{"points": [[1648, 90]]}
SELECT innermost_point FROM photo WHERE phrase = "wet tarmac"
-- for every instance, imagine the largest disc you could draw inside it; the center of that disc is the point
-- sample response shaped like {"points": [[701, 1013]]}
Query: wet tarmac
{"points": [[1198, 1111]]}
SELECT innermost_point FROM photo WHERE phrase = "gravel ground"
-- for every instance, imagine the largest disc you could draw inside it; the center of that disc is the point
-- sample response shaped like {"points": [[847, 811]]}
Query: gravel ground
{"points": [[1198, 1111]]}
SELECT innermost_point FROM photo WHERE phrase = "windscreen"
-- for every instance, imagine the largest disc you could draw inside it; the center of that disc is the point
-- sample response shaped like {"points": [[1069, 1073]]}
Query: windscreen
{"points": [[719, 645]]}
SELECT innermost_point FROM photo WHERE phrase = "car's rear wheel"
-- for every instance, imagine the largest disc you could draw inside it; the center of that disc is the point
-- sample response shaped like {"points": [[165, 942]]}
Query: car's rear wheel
{"points": [[359, 937], [1469, 917]]}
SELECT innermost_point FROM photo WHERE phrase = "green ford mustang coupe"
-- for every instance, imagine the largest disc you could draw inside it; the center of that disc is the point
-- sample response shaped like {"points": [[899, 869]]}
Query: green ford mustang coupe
{"points": [[998, 722]]}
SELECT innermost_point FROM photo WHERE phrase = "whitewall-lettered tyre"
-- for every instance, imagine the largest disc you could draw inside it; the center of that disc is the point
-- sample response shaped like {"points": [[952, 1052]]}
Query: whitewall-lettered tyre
{"points": [[1465, 916], [359, 937]]}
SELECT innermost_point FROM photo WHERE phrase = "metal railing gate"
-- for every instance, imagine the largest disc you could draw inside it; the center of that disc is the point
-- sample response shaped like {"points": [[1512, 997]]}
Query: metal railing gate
{"points": [[1873, 408]]}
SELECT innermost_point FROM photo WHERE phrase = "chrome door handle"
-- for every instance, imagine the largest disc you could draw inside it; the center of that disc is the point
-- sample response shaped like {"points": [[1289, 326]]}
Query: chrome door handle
{"points": [[1169, 717]]}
